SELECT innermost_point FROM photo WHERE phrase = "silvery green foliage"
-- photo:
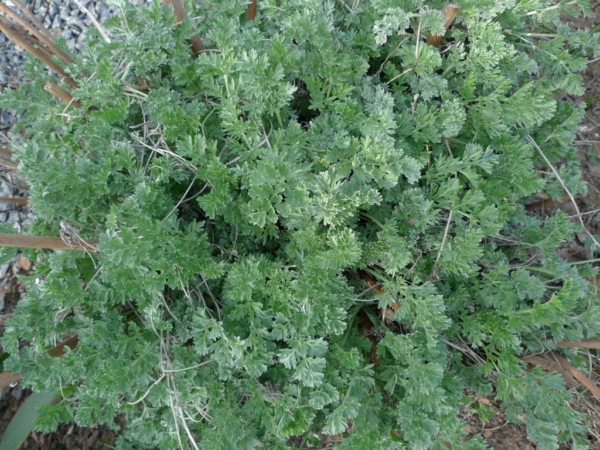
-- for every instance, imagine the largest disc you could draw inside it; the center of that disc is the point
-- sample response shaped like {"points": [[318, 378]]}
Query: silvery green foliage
{"points": [[242, 202]]}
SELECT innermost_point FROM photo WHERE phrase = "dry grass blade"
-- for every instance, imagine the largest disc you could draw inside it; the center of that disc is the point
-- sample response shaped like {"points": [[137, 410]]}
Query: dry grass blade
{"points": [[17, 200], [70, 236], [562, 183], [6, 152], [22, 39], [577, 374], [39, 25], [548, 364], [43, 36], [252, 7], [584, 343], [94, 21], [4, 161], [4, 318], [7, 378], [450, 12], [61, 94], [545, 203], [23, 241], [195, 41]]}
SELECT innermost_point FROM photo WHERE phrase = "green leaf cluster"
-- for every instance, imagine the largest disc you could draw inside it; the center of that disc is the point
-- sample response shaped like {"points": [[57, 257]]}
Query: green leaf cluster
{"points": [[247, 203]]}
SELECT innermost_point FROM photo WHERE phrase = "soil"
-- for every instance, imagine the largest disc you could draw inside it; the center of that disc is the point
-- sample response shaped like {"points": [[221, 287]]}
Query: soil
{"points": [[499, 434]]}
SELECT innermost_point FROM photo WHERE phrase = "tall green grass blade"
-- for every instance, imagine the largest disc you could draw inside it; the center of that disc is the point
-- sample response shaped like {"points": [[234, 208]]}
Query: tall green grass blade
{"points": [[22, 423]]}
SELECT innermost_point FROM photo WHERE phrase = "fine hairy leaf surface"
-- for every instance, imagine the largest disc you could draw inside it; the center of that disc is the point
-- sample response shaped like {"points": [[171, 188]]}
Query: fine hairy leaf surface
{"points": [[315, 227]]}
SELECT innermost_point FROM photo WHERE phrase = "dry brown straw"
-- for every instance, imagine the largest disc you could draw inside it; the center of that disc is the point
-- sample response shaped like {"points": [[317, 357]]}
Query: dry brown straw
{"points": [[577, 374], [24, 241], [195, 41], [545, 203], [40, 32], [19, 200], [40, 26], [6, 152], [6, 158], [450, 12], [20, 38], [548, 364], [7, 378], [584, 343], [61, 94], [252, 7]]}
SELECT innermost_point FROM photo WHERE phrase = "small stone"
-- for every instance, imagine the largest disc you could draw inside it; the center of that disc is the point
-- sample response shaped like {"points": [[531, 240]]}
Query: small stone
{"points": [[17, 392], [5, 206], [2, 302], [57, 22], [3, 217], [13, 217], [53, 10], [105, 15], [67, 34], [488, 434]]}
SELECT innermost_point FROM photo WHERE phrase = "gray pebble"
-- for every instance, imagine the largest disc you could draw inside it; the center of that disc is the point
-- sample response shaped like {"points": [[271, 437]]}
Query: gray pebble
{"points": [[6, 118], [57, 22], [13, 217], [105, 15], [68, 34], [3, 217], [5, 206], [17, 392]]}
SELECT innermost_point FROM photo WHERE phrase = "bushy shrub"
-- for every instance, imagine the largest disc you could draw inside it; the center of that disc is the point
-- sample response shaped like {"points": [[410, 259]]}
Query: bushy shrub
{"points": [[315, 227]]}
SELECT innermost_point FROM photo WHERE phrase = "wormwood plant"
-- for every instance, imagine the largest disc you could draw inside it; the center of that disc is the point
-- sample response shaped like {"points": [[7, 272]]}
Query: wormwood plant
{"points": [[315, 227]]}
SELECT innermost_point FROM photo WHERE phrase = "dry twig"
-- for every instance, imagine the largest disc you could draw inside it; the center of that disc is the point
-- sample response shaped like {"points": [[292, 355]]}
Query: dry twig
{"points": [[562, 183], [450, 12], [195, 41]]}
